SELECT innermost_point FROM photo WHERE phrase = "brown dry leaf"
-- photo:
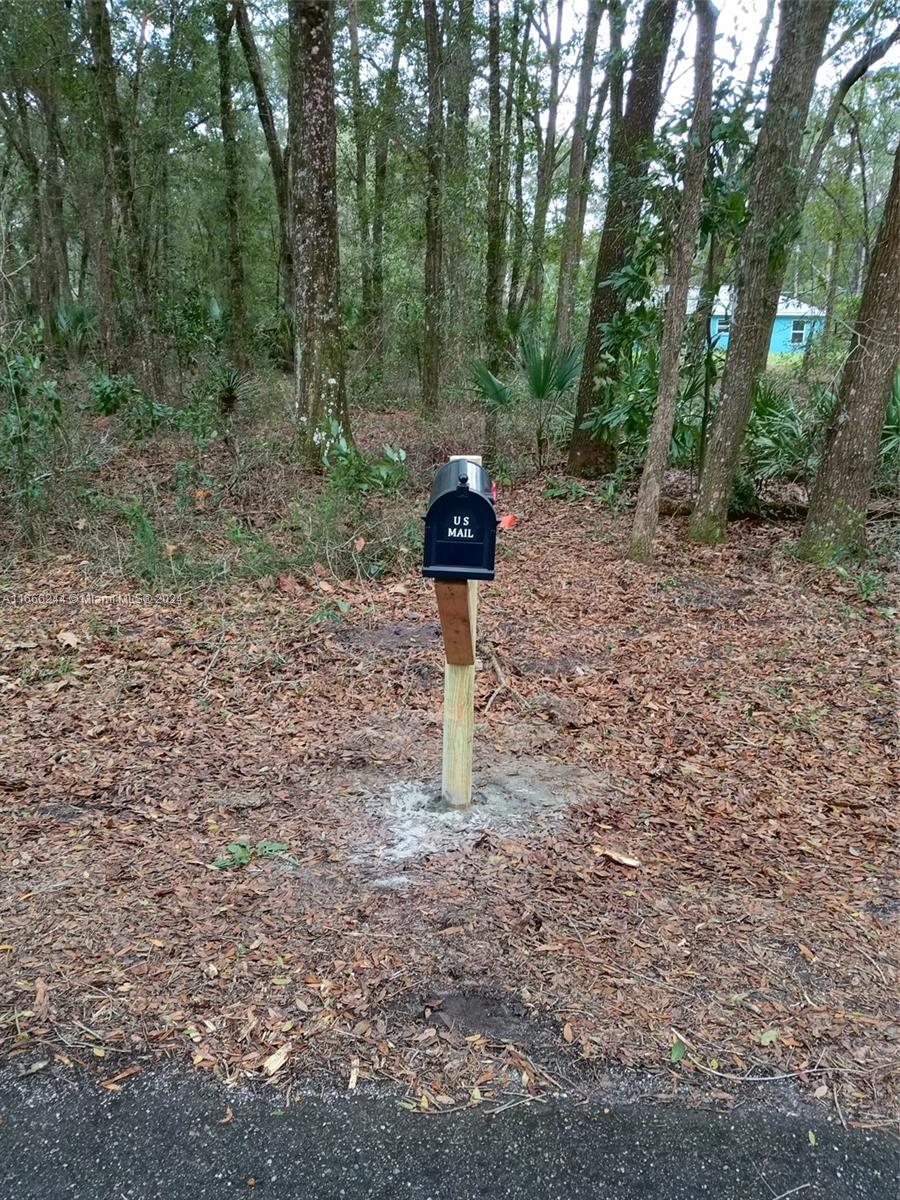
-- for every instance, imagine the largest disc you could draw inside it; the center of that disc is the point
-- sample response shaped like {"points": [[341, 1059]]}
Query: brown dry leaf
{"points": [[568, 1032], [617, 856], [41, 999], [114, 1080], [276, 1061]]}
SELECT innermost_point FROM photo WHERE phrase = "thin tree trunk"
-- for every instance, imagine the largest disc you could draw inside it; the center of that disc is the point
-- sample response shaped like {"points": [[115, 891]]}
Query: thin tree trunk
{"points": [[361, 172], [853, 74], [387, 106], [273, 146], [775, 194], [320, 398], [835, 524], [646, 514], [534, 284], [434, 158], [717, 250], [568, 258], [587, 456], [493, 297], [123, 179], [460, 75], [237, 311], [506, 139], [517, 245]]}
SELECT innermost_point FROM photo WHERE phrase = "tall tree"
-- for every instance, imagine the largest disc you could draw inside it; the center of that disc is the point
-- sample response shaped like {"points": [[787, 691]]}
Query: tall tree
{"points": [[547, 158], [774, 200], [517, 241], [568, 257], [721, 240], [493, 297], [434, 237], [361, 173], [388, 93], [237, 309], [628, 161], [119, 156], [835, 524], [459, 74], [273, 146], [646, 513], [319, 388]]}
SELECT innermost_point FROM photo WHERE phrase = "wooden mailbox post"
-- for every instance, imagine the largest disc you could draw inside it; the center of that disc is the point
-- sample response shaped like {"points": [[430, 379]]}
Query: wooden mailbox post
{"points": [[460, 539]]}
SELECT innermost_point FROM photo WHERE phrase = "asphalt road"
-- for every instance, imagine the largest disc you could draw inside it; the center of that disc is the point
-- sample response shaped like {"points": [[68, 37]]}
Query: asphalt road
{"points": [[162, 1138]]}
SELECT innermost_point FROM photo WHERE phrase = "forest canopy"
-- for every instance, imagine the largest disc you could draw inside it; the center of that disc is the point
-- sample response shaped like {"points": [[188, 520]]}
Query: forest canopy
{"points": [[579, 224]]}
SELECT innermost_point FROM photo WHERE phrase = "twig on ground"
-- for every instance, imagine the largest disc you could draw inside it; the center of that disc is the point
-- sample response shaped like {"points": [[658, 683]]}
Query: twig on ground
{"points": [[837, 1104]]}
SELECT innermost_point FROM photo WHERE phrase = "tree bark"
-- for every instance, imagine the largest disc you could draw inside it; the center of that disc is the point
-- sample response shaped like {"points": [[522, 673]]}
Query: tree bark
{"points": [[273, 146], [434, 161], [361, 172], [460, 75], [775, 195], [124, 184], [629, 153], [517, 244], [387, 106], [493, 296], [568, 258], [717, 250], [236, 337], [835, 525], [646, 514], [320, 397], [534, 284]]}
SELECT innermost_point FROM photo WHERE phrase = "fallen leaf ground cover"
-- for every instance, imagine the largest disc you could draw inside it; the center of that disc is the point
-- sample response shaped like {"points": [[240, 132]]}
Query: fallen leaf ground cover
{"points": [[719, 900]]}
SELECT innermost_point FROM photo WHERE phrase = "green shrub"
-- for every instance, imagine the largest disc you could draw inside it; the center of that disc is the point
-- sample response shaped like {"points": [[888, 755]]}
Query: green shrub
{"points": [[30, 424], [74, 329], [353, 473], [119, 395]]}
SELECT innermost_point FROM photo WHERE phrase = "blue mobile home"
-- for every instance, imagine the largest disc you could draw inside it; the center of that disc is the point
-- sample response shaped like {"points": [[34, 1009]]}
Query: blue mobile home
{"points": [[794, 324]]}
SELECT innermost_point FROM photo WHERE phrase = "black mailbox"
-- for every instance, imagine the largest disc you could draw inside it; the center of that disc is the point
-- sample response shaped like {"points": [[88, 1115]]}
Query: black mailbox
{"points": [[460, 525]]}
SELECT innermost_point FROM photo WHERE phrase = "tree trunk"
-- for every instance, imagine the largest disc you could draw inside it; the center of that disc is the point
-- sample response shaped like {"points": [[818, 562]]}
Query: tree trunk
{"points": [[717, 251], [493, 296], [771, 229], [236, 336], [320, 398], [628, 160], [387, 106], [568, 258], [361, 172], [646, 514], [434, 160], [534, 284], [517, 245], [273, 147], [124, 184], [835, 525], [853, 74], [460, 74]]}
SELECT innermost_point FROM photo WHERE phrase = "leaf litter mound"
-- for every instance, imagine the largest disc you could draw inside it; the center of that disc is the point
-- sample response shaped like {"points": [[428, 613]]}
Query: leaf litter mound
{"points": [[715, 895]]}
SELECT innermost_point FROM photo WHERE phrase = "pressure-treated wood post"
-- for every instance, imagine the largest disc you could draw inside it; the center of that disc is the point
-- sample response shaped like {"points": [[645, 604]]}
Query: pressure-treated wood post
{"points": [[458, 609]]}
